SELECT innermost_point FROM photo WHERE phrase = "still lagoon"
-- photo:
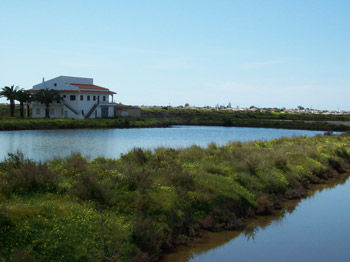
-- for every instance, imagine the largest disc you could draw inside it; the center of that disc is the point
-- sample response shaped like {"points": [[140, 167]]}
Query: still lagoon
{"points": [[46, 144]]}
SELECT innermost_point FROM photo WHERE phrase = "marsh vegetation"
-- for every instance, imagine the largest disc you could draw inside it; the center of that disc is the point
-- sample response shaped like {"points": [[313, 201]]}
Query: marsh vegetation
{"points": [[131, 208]]}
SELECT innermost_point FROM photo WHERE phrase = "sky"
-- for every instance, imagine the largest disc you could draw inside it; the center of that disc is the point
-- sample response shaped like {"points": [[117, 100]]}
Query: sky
{"points": [[282, 53]]}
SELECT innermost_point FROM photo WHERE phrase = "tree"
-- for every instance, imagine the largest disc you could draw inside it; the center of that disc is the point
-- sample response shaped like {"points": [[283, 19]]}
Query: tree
{"points": [[10, 94], [47, 96], [22, 97]]}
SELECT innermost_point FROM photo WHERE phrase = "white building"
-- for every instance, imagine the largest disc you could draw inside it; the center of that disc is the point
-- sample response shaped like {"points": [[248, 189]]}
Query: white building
{"points": [[80, 99]]}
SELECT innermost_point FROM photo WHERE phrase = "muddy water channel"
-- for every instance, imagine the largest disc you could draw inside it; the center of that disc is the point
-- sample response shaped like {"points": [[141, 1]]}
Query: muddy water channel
{"points": [[313, 229]]}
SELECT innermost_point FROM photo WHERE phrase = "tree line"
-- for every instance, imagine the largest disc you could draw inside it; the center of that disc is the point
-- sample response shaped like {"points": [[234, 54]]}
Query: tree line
{"points": [[15, 93]]}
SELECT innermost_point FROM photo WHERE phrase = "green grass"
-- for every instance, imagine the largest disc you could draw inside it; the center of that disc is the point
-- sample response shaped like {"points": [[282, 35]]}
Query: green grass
{"points": [[144, 122], [168, 117], [129, 209], [5, 112], [212, 114], [248, 119], [28, 124]]}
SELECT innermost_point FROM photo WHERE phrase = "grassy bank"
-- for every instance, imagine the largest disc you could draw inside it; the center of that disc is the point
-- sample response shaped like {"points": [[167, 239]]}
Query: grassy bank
{"points": [[166, 118], [121, 122], [145, 122], [248, 119], [131, 208], [212, 114]]}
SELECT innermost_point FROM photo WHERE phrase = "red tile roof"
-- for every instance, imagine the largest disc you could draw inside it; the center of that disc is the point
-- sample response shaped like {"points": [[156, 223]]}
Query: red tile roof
{"points": [[75, 91], [85, 89], [89, 87]]}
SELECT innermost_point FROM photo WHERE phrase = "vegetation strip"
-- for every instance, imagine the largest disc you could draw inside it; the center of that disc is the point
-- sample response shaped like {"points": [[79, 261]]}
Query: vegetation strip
{"points": [[35, 124], [121, 122], [163, 117], [167, 118], [129, 209], [248, 119]]}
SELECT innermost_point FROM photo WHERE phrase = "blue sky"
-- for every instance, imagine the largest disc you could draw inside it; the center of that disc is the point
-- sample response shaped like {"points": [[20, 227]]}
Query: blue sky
{"points": [[201, 52]]}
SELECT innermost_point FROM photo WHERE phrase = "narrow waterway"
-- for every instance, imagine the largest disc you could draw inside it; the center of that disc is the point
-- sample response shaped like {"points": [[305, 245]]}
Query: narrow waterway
{"points": [[312, 229]]}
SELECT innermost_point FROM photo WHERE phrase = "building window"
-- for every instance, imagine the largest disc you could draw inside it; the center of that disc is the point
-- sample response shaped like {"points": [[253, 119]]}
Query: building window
{"points": [[38, 111], [72, 97], [52, 111], [55, 84], [81, 97], [64, 96], [94, 98], [104, 98], [88, 98]]}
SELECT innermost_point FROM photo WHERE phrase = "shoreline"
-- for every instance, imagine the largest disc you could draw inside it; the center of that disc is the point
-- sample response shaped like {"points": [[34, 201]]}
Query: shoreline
{"points": [[168, 117], [51, 124], [208, 240]]}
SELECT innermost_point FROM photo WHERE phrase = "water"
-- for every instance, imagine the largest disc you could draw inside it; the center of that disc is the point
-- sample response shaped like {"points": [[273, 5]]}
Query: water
{"points": [[47, 144], [313, 229]]}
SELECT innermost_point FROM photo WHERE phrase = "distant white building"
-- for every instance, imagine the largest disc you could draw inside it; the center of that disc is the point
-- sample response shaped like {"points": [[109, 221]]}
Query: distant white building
{"points": [[80, 99]]}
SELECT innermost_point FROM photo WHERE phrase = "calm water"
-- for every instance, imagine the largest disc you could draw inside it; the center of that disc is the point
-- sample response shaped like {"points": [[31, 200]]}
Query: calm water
{"points": [[314, 229], [46, 144]]}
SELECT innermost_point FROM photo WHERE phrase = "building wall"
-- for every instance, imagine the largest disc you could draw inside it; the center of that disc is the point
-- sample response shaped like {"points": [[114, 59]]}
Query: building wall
{"points": [[63, 83], [56, 111], [84, 106], [81, 107], [127, 112], [110, 109]]}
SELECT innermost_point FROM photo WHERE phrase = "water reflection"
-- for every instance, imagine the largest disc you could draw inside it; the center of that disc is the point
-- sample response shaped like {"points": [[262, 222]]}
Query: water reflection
{"points": [[312, 229]]}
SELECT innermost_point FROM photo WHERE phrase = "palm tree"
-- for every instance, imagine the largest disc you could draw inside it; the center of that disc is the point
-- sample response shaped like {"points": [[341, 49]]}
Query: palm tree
{"points": [[47, 96], [10, 94], [22, 97]]}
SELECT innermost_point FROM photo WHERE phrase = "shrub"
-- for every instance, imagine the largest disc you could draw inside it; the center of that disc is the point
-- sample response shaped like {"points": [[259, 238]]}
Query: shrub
{"points": [[29, 178], [22, 256], [14, 160], [337, 164], [265, 206], [89, 188], [147, 235], [76, 163], [137, 156]]}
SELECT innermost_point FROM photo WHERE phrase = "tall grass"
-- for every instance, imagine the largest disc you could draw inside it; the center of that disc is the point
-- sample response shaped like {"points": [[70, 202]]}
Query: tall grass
{"points": [[129, 209]]}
